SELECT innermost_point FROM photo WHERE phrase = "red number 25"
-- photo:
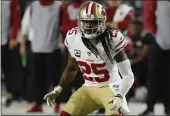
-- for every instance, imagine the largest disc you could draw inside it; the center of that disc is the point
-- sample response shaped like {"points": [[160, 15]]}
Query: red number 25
{"points": [[88, 69]]}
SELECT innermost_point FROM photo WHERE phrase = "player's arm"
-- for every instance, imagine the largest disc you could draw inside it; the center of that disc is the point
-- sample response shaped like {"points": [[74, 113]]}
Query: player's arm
{"points": [[124, 67], [25, 25], [123, 63], [72, 67], [128, 78], [68, 75], [69, 72]]}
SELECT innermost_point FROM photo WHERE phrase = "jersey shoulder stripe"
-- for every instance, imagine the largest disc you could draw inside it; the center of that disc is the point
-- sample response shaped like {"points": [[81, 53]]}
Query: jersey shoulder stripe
{"points": [[71, 34], [118, 40]]}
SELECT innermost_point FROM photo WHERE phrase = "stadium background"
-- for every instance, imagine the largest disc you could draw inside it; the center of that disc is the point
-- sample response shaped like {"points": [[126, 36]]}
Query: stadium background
{"points": [[24, 100]]}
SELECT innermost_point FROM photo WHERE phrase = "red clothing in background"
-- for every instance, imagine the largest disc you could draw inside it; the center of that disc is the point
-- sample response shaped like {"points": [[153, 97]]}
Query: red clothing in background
{"points": [[149, 17], [121, 25], [15, 18], [67, 22]]}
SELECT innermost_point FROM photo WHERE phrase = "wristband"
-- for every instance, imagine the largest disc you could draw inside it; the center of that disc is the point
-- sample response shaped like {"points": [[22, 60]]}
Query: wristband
{"points": [[58, 88], [120, 96]]}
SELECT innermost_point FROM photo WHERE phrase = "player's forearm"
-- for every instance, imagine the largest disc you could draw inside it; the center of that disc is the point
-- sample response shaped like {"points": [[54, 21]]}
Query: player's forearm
{"points": [[24, 40], [67, 76], [25, 24], [127, 75]]}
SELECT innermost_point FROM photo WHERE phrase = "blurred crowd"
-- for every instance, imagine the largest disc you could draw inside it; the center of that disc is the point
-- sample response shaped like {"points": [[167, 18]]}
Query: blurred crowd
{"points": [[34, 55]]}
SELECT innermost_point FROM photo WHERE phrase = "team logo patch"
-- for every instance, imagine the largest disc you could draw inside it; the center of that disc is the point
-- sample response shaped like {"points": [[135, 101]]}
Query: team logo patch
{"points": [[89, 53], [116, 87], [77, 53]]}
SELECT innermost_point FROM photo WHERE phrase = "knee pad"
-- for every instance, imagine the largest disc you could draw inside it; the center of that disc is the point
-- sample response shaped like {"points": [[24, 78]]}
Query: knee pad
{"points": [[63, 113]]}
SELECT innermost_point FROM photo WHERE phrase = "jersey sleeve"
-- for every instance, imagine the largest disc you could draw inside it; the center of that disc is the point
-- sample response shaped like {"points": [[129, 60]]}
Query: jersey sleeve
{"points": [[119, 42]]}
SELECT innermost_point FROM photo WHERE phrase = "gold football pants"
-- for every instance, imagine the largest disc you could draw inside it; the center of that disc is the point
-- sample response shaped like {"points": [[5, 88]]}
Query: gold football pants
{"points": [[88, 99]]}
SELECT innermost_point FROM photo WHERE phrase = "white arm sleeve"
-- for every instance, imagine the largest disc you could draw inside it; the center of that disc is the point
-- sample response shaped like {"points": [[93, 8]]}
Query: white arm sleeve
{"points": [[127, 75], [26, 22]]}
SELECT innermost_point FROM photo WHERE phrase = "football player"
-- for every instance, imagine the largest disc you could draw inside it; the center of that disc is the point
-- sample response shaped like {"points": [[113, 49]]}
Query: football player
{"points": [[99, 53]]}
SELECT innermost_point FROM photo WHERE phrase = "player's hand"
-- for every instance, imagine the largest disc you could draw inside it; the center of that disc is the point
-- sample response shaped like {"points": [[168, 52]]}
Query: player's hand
{"points": [[12, 44], [117, 102], [50, 97], [23, 50]]}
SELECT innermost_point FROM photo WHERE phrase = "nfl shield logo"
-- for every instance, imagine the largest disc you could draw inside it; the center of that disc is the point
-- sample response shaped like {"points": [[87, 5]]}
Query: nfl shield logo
{"points": [[77, 53]]}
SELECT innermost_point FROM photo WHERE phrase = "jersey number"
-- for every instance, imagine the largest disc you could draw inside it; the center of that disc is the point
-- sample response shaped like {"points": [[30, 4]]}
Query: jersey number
{"points": [[115, 33], [73, 31], [88, 69]]}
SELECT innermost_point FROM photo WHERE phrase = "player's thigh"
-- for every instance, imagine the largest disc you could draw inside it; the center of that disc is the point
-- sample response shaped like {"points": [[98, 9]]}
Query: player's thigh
{"points": [[80, 103], [105, 95]]}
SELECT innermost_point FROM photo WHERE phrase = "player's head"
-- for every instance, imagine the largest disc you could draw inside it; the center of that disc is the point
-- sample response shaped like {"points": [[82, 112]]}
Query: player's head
{"points": [[91, 20]]}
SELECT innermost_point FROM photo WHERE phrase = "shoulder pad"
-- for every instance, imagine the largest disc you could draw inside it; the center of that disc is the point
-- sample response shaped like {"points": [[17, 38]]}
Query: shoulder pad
{"points": [[71, 34]]}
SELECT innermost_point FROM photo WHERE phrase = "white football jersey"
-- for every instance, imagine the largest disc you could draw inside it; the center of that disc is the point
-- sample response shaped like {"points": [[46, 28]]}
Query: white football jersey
{"points": [[97, 70]]}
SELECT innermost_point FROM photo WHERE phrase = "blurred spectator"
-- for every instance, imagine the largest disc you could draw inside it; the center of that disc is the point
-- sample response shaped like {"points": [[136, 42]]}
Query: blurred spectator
{"points": [[159, 76], [120, 16], [149, 15], [10, 28], [41, 22], [27, 60], [142, 41], [137, 4], [23, 5], [69, 15]]}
